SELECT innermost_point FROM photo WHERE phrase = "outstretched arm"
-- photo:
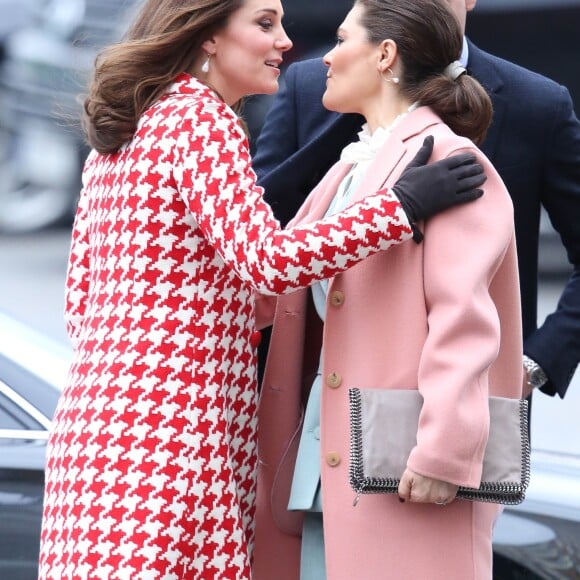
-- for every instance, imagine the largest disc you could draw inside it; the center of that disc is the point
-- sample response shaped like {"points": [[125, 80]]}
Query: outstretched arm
{"points": [[217, 183]]}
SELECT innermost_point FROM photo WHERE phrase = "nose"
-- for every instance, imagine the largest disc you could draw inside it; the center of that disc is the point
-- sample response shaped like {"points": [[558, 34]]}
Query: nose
{"points": [[326, 59], [284, 43]]}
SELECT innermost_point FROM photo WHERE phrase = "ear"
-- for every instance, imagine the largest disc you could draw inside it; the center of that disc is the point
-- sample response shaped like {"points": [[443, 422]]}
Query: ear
{"points": [[209, 46], [470, 5], [387, 55]]}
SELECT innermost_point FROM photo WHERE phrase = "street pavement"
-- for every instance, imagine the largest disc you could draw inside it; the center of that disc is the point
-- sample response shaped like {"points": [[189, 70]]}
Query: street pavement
{"points": [[32, 273]]}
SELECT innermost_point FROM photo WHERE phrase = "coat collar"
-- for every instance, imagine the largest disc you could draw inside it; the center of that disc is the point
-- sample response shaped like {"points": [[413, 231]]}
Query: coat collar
{"points": [[186, 84], [482, 67], [387, 160], [379, 172]]}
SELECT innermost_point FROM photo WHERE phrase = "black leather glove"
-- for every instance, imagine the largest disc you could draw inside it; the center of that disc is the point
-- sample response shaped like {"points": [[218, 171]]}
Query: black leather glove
{"points": [[425, 190]]}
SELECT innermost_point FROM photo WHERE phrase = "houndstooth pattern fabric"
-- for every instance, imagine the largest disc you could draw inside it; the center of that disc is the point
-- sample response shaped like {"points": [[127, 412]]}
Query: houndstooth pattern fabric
{"points": [[152, 453]]}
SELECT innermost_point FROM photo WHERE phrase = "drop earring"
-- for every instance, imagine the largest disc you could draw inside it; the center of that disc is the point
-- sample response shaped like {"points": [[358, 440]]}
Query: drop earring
{"points": [[205, 65], [395, 80]]}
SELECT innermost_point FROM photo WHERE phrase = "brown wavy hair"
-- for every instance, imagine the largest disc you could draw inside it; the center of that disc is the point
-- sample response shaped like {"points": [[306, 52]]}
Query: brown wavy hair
{"points": [[164, 40], [428, 38]]}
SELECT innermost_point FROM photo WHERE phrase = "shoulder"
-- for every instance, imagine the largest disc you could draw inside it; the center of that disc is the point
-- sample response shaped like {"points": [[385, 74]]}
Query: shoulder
{"points": [[307, 76], [424, 122], [448, 144], [512, 80], [205, 116]]}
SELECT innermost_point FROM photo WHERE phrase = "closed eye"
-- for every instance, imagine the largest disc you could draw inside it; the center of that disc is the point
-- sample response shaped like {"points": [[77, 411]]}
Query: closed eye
{"points": [[266, 24]]}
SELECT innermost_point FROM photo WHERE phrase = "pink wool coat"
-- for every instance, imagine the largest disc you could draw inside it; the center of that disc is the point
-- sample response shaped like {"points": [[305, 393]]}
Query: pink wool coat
{"points": [[443, 317]]}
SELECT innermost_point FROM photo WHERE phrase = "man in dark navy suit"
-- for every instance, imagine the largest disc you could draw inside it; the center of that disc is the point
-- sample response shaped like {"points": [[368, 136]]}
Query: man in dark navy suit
{"points": [[534, 143]]}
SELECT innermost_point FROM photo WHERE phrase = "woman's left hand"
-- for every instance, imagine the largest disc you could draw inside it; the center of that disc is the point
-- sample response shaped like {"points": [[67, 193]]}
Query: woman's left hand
{"points": [[419, 489]]}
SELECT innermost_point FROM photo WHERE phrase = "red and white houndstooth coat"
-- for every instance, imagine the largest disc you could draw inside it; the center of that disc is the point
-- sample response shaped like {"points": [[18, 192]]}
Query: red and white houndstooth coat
{"points": [[152, 454]]}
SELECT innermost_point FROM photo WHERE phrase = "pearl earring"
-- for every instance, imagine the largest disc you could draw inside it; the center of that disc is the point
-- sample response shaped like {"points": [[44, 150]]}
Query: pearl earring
{"points": [[205, 65], [395, 80]]}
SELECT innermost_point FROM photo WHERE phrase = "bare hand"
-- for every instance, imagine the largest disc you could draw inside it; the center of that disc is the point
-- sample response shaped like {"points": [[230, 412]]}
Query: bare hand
{"points": [[419, 489]]}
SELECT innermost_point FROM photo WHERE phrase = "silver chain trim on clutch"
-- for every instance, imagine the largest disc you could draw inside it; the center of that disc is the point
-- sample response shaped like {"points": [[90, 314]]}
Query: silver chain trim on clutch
{"points": [[508, 493]]}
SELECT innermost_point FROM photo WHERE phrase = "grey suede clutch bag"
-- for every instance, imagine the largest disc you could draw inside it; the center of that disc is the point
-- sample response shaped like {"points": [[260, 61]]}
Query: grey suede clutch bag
{"points": [[383, 431]]}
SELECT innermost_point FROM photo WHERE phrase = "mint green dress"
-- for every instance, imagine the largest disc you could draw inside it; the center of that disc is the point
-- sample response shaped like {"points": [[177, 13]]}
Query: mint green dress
{"points": [[305, 493]]}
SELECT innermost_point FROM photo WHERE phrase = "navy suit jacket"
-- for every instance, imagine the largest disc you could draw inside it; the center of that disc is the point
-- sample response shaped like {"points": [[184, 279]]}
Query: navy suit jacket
{"points": [[534, 143]]}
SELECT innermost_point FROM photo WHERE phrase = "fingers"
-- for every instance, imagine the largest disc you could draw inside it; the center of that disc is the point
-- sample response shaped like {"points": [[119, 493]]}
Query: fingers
{"points": [[473, 169], [473, 182], [459, 160], [405, 486], [470, 195], [420, 489], [423, 154]]}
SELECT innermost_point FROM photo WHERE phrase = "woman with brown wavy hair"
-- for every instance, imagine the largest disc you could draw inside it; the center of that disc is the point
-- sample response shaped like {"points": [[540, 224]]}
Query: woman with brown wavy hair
{"points": [[152, 455]]}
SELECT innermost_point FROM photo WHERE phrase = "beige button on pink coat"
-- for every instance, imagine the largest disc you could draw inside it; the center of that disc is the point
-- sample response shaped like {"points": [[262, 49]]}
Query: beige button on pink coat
{"points": [[443, 317]]}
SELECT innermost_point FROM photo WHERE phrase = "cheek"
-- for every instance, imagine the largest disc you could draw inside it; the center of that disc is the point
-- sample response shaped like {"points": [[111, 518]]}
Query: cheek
{"points": [[244, 46], [339, 64], [256, 45], [350, 66], [370, 80]]}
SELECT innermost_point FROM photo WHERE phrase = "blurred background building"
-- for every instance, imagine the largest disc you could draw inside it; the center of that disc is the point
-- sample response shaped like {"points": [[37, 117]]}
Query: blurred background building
{"points": [[48, 48]]}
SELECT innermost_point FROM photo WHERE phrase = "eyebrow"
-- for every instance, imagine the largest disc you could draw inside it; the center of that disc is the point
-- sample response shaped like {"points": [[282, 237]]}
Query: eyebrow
{"points": [[270, 10]]}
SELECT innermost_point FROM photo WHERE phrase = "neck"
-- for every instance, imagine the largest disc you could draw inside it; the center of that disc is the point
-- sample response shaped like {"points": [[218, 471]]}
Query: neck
{"points": [[382, 114]]}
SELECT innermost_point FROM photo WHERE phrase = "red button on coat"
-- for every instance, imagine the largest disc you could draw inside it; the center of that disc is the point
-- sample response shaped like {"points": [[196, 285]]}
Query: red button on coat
{"points": [[256, 338]]}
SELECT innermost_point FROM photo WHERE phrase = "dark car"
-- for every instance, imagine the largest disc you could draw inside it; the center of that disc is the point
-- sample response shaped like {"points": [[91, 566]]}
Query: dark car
{"points": [[32, 371]]}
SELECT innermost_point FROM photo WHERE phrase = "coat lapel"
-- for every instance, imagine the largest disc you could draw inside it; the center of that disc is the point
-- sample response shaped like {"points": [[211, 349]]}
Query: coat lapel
{"points": [[481, 68], [381, 172], [317, 203]]}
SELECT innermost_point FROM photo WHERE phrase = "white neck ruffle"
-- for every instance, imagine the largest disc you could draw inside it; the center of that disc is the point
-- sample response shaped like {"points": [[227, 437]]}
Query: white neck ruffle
{"points": [[369, 144]]}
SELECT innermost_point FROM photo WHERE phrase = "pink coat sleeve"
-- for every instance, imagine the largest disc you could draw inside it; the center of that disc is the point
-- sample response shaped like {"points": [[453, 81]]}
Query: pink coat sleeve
{"points": [[463, 248]]}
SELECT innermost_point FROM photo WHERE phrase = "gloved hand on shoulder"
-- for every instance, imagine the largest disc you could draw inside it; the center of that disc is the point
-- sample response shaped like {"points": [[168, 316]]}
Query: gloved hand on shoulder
{"points": [[427, 189]]}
